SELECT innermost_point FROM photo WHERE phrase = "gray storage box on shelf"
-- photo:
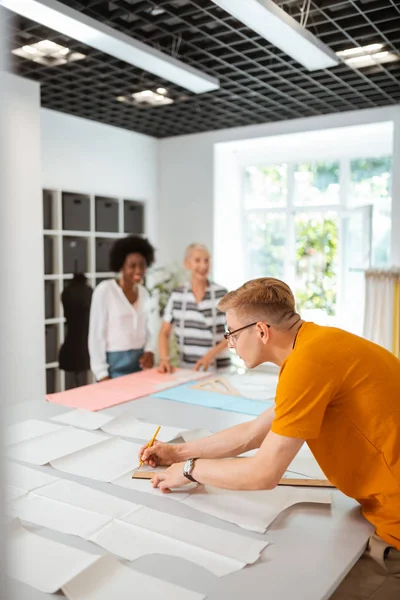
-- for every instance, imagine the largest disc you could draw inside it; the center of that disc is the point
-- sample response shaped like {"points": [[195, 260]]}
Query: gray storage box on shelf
{"points": [[51, 333], [107, 217], [48, 244], [103, 247], [75, 254], [133, 217], [50, 381], [47, 210], [75, 212], [49, 299]]}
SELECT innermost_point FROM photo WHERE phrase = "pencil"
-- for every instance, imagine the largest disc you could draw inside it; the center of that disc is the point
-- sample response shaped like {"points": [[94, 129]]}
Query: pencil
{"points": [[151, 442]]}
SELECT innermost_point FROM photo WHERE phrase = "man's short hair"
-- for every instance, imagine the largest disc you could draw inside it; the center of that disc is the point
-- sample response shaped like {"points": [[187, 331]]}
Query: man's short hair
{"points": [[266, 299]]}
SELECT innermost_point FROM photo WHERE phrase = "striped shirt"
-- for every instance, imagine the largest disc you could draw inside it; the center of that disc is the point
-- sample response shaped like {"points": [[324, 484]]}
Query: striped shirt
{"points": [[198, 326]]}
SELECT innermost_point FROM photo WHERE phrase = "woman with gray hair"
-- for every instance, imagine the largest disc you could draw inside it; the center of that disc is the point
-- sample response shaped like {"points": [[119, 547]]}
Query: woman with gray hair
{"points": [[192, 313]]}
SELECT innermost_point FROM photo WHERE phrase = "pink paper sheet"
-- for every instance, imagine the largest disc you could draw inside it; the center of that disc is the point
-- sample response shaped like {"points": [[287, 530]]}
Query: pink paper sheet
{"points": [[97, 396]]}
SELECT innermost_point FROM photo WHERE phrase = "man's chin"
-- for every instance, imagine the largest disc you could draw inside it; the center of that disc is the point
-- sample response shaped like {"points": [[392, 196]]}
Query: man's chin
{"points": [[251, 364]]}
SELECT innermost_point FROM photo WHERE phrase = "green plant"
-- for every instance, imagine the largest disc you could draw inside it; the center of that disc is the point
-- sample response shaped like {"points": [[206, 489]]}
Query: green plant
{"points": [[161, 282], [316, 255]]}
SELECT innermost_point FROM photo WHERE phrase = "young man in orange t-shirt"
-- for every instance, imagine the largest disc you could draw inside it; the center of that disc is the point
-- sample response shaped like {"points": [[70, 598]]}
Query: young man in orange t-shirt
{"points": [[338, 392]]}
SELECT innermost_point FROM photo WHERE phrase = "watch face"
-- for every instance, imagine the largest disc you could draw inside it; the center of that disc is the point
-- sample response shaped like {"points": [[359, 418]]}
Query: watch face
{"points": [[187, 467]]}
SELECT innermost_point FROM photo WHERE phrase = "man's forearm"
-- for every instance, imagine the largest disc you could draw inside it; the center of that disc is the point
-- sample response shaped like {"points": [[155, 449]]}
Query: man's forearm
{"points": [[260, 472], [230, 442], [235, 474]]}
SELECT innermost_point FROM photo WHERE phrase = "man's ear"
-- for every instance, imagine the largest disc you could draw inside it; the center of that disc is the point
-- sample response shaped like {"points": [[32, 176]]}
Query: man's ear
{"points": [[263, 332]]}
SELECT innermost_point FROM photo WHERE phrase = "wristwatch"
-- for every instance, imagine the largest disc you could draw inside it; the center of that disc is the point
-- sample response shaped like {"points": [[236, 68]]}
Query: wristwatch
{"points": [[188, 468]]}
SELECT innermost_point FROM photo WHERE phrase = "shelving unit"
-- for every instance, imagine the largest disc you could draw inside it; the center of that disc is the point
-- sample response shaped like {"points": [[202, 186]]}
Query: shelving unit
{"points": [[78, 231]]}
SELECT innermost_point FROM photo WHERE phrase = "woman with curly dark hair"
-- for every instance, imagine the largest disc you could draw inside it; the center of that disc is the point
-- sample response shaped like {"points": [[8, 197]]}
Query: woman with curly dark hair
{"points": [[119, 339]]}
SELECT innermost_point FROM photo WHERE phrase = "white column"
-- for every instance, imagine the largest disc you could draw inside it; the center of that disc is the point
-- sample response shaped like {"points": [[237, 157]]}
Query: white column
{"points": [[395, 242], [22, 355], [3, 551]]}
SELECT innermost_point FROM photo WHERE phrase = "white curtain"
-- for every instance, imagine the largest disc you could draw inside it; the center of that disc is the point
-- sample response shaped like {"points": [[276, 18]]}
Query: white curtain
{"points": [[382, 308]]}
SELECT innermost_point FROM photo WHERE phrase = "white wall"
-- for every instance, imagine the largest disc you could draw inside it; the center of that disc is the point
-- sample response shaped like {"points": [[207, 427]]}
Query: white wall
{"points": [[187, 186], [83, 156]]}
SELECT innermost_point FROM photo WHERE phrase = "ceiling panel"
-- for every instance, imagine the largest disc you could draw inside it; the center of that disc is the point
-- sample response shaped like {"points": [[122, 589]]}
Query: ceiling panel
{"points": [[259, 83]]}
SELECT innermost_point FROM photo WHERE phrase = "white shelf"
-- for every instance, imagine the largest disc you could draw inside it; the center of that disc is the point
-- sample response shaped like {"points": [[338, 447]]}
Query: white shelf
{"points": [[107, 235], [104, 275], [84, 234], [52, 277], [58, 234], [54, 321]]}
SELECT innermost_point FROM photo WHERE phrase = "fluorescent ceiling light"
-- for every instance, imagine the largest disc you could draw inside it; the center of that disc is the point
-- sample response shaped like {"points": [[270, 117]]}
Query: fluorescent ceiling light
{"points": [[360, 50], [48, 53], [78, 26], [367, 56], [275, 25]]}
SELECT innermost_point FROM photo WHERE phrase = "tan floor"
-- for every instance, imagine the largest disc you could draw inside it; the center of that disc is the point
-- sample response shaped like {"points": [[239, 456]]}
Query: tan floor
{"points": [[368, 580]]}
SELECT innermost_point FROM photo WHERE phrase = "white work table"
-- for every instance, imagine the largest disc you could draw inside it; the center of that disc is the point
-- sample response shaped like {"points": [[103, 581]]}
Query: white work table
{"points": [[312, 547]]}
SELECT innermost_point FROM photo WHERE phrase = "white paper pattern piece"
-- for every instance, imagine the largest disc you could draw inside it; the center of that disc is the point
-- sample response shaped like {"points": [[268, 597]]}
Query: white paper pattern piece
{"points": [[50, 446], [56, 515], [84, 419], [131, 542], [74, 509], [256, 386], [126, 425], [87, 498], [108, 578], [254, 510], [42, 563], [12, 493], [103, 462], [27, 430], [239, 548], [26, 478]]}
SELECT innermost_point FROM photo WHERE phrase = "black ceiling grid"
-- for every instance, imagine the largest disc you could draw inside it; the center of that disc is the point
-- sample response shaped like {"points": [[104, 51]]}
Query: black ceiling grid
{"points": [[259, 83]]}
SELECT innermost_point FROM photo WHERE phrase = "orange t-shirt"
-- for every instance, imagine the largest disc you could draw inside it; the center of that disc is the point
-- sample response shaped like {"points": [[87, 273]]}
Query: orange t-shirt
{"points": [[341, 393]]}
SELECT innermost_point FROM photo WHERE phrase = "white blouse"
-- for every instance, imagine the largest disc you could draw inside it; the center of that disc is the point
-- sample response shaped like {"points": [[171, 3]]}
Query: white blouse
{"points": [[116, 325]]}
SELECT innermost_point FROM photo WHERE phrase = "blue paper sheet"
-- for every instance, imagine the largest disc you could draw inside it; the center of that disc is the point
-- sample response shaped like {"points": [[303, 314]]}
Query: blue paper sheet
{"points": [[186, 393]]}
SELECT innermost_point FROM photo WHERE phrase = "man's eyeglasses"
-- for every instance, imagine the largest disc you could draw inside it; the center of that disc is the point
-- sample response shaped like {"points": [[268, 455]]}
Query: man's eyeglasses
{"points": [[232, 340]]}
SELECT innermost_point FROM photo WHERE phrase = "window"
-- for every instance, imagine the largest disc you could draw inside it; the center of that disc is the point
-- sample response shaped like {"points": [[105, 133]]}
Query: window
{"points": [[314, 223], [370, 184]]}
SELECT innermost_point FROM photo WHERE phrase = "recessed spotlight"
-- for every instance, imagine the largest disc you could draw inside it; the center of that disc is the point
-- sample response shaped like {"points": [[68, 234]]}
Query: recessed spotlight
{"points": [[29, 49], [151, 98], [142, 95], [367, 56], [161, 91], [145, 98], [156, 10], [48, 47], [48, 53]]}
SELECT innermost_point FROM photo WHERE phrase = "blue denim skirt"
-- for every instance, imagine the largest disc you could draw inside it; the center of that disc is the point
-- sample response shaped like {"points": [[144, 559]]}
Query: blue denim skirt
{"points": [[124, 362]]}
